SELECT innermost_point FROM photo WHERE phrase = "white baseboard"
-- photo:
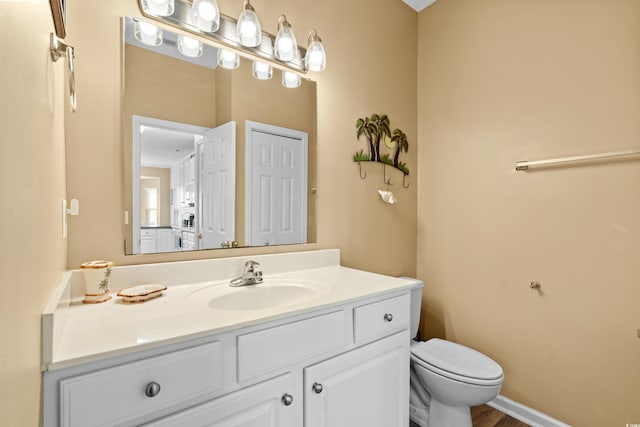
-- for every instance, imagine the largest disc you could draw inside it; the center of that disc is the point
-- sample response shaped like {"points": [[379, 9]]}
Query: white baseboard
{"points": [[524, 413]]}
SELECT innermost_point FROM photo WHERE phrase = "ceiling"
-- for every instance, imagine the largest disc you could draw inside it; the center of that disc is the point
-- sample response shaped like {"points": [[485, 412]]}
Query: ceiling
{"points": [[418, 5], [163, 148]]}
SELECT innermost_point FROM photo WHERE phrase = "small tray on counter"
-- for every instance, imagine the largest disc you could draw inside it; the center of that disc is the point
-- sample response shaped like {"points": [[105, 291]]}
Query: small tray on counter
{"points": [[142, 293]]}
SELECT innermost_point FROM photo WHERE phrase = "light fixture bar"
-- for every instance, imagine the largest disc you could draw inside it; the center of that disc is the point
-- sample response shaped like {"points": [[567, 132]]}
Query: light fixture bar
{"points": [[226, 35]]}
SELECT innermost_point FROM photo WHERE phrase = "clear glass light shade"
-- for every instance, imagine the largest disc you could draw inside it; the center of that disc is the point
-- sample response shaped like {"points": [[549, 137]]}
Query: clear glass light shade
{"points": [[262, 70], [286, 46], [189, 47], [205, 15], [147, 33], [248, 29], [159, 7], [228, 59], [290, 79], [315, 59]]}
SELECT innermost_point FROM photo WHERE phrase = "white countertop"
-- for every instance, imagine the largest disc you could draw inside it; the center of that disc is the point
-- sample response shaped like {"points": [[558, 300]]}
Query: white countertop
{"points": [[75, 333]]}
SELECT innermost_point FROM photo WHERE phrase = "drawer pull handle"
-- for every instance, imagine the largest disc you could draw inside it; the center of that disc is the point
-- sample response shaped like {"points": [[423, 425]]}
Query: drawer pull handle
{"points": [[317, 388], [287, 399], [388, 317], [152, 389]]}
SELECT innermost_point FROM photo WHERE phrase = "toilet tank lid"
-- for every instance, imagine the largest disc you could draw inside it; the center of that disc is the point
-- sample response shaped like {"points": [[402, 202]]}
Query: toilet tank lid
{"points": [[457, 359]]}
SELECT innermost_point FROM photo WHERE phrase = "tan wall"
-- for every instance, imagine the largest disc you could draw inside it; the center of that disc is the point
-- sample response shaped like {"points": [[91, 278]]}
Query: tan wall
{"points": [[503, 81], [32, 177], [351, 216], [162, 180]]}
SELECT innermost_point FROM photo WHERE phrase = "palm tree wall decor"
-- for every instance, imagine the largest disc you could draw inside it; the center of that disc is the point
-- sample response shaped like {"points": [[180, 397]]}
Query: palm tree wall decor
{"points": [[376, 128]]}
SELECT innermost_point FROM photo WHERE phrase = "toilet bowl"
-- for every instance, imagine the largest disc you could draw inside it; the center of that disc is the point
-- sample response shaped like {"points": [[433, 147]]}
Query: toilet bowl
{"points": [[456, 377], [447, 378]]}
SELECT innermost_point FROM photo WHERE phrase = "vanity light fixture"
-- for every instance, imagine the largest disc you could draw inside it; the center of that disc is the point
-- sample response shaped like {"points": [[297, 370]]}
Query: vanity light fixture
{"points": [[159, 7], [262, 70], [147, 33], [205, 15], [286, 46], [189, 47], [290, 80], [315, 59], [227, 59], [242, 36], [248, 28]]}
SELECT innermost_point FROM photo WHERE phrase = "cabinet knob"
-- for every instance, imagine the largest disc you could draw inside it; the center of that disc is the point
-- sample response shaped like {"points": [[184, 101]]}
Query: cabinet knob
{"points": [[152, 389], [287, 399], [388, 317], [317, 388]]}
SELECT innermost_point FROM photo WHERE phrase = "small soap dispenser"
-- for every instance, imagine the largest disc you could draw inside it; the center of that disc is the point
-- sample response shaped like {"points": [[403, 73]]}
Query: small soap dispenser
{"points": [[96, 279]]}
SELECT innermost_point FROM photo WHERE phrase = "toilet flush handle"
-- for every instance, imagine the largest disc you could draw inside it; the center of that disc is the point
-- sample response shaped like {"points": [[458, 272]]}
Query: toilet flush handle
{"points": [[388, 317]]}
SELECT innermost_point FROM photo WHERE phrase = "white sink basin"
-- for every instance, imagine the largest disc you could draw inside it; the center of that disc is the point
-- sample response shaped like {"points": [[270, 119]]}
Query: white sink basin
{"points": [[272, 293]]}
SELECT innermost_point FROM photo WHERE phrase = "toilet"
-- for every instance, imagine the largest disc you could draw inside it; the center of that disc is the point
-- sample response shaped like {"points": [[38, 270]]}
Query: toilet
{"points": [[447, 378]]}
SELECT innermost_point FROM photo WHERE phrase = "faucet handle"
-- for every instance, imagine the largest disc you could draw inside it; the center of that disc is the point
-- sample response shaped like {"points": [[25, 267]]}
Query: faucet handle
{"points": [[250, 264]]}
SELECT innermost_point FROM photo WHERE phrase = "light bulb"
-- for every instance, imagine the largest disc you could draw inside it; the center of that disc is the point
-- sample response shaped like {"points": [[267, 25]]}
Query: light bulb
{"points": [[189, 46], [147, 33], [262, 70], [159, 7], [290, 79], [205, 15], [286, 44], [248, 28], [228, 59]]}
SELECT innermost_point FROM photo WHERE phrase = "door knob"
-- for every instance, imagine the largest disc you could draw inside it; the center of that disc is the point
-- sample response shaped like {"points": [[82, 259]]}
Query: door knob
{"points": [[317, 388]]}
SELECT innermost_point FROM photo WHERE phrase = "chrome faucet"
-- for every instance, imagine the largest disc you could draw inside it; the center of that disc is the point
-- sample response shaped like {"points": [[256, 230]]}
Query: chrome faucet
{"points": [[250, 275]]}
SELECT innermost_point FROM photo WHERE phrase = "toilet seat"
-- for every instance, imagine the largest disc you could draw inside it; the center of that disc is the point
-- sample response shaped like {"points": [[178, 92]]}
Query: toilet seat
{"points": [[457, 362]]}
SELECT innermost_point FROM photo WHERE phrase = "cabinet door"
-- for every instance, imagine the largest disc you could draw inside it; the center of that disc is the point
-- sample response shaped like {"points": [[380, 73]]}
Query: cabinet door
{"points": [[368, 386], [164, 241], [268, 404]]}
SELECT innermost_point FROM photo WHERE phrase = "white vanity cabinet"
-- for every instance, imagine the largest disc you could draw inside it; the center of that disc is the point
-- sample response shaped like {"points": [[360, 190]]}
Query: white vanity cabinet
{"points": [[338, 366]]}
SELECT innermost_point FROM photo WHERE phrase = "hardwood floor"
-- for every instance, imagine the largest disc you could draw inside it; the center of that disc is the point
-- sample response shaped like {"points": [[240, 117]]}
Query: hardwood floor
{"points": [[486, 416]]}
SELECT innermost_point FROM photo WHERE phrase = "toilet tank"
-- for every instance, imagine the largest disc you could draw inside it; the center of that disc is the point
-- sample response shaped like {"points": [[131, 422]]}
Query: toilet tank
{"points": [[416, 304]]}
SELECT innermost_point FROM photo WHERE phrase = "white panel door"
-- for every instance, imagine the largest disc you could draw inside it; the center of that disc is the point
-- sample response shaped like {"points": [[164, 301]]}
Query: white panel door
{"points": [[217, 188], [263, 405], [277, 193], [368, 386]]}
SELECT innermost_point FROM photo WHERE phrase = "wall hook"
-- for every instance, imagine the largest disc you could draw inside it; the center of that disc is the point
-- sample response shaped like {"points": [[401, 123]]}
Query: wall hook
{"points": [[385, 179], [360, 167], [404, 177]]}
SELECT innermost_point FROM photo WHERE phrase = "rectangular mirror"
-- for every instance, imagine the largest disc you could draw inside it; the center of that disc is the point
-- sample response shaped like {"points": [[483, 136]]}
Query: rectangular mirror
{"points": [[214, 158]]}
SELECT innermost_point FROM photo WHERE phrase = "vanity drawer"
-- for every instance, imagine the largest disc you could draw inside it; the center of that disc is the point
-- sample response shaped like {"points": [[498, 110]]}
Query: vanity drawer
{"points": [[123, 393], [381, 318], [264, 351]]}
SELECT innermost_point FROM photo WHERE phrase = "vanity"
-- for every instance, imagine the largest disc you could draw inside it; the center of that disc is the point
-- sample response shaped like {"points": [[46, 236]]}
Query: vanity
{"points": [[316, 344]]}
